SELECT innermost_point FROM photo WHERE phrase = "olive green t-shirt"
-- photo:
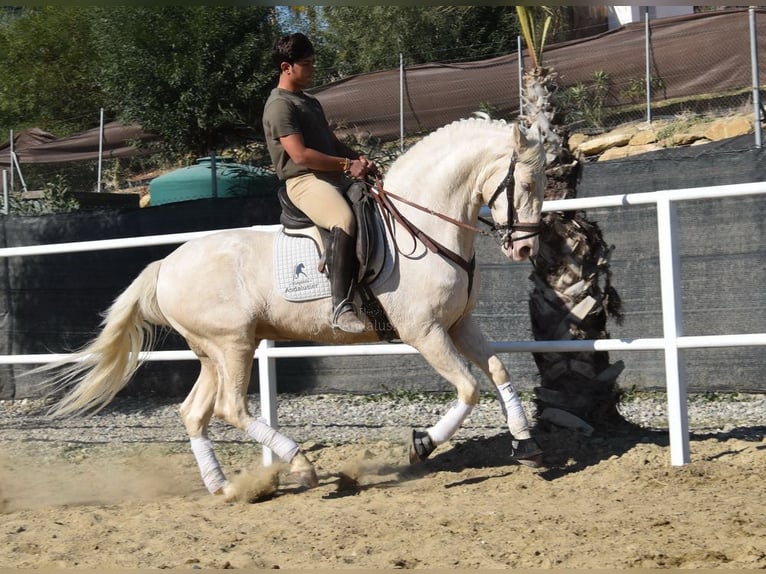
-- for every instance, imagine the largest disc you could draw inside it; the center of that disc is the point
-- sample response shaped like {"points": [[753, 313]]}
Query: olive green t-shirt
{"points": [[287, 113]]}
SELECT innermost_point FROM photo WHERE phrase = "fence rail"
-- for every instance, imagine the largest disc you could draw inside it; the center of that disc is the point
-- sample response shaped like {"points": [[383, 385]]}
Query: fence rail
{"points": [[673, 342]]}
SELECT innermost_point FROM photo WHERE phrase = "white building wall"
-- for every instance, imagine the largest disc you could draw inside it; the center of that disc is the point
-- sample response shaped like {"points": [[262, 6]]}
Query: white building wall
{"points": [[622, 15]]}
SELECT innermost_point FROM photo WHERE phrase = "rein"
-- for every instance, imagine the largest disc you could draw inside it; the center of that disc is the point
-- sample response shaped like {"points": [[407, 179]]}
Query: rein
{"points": [[382, 198]]}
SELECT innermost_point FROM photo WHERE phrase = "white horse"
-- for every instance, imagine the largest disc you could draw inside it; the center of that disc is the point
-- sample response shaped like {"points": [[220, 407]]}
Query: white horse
{"points": [[218, 292]]}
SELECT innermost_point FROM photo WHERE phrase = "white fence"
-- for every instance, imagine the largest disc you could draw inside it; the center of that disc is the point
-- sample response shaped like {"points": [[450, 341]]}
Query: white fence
{"points": [[672, 342]]}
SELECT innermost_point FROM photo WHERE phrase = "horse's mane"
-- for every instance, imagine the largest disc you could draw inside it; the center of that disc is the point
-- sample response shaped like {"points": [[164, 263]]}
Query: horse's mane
{"points": [[479, 127]]}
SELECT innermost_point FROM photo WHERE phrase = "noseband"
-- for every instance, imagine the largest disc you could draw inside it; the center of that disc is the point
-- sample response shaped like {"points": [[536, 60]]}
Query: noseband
{"points": [[504, 232]]}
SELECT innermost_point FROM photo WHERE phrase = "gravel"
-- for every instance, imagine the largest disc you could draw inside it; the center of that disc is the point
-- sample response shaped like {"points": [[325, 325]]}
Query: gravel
{"points": [[345, 418]]}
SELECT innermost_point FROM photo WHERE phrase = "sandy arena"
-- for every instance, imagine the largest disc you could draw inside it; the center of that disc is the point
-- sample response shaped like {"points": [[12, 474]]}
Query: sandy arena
{"points": [[601, 502]]}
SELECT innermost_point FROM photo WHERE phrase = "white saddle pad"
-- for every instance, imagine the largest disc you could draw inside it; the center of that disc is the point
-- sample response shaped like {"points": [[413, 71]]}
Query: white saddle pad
{"points": [[296, 258], [295, 268]]}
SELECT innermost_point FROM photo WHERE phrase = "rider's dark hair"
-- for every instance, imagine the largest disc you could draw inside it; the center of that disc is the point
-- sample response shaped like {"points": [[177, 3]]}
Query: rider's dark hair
{"points": [[291, 48]]}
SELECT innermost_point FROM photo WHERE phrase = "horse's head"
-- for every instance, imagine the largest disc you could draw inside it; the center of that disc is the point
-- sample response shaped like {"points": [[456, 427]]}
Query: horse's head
{"points": [[516, 203]]}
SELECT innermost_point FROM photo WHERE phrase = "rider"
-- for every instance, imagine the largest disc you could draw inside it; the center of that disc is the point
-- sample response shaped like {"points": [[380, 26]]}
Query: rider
{"points": [[315, 167]]}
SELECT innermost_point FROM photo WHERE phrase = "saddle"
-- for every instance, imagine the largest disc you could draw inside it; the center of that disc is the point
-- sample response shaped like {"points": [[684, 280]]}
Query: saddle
{"points": [[368, 228], [372, 250]]}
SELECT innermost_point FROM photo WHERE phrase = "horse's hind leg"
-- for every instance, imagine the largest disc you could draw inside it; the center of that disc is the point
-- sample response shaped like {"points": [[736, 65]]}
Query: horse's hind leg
{"points": [[223, 390], [471, 342], [231, 406], [196, 411]]}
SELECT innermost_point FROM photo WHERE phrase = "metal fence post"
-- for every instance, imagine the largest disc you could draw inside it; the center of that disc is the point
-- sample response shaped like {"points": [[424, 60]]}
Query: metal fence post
{"points": [[672, 327], [6, 206], [11, 155], [521, 77], [401, 101], [648, 43], [756, 83], [100, 149]]}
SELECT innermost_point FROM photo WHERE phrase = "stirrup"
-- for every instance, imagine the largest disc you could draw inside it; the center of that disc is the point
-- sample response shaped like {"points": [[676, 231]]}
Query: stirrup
{"points": [[344, 318]]}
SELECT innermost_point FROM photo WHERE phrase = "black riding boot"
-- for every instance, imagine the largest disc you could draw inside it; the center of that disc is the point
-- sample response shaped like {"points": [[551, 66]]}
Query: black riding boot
{"points": [[343, 264]]}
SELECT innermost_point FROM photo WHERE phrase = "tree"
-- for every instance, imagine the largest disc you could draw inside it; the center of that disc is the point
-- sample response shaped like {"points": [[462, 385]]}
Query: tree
{"points": [[48, 67], [572, 293], [195, 75], [372, 39]]}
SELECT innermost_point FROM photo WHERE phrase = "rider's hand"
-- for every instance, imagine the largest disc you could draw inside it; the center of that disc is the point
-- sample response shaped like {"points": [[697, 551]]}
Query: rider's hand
{"points": [[361, 166]]}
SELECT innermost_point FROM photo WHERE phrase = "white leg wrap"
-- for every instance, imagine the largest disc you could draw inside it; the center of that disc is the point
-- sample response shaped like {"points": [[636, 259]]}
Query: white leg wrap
{"points": [[447, 426], [209, 469], [283, 447], [514, 412]]}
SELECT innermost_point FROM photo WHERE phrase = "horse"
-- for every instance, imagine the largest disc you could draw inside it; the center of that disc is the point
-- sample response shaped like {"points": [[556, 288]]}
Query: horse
{"points": [[217, 291]]}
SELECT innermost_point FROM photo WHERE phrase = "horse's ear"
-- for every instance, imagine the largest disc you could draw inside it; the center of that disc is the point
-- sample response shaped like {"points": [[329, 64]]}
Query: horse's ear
{"points": [[519, 138]]}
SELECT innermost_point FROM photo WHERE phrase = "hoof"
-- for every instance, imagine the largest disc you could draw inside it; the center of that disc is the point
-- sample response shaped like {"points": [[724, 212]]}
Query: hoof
{"points": [[527, 452], [229, 492], [421, 447], [303, 471]]}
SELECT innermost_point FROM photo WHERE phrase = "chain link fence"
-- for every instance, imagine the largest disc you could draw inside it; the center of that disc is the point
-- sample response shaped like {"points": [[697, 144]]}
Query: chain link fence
{"points": [[697, 64]]}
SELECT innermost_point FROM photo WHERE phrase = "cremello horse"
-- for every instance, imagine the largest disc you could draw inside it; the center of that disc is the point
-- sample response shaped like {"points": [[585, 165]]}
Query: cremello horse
{"points": [[217, 291]]}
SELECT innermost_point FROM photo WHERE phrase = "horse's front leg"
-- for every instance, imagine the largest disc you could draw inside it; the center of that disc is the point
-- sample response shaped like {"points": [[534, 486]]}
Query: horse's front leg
{"points": [[469, 339], [436, 347]]}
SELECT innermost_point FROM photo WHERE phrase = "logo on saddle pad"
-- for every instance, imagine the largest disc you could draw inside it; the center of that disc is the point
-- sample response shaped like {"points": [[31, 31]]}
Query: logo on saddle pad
{"points": [[299, 270]]}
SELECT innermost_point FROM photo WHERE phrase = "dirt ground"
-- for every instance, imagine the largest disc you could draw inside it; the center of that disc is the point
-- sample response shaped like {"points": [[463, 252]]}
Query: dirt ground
{"points": [[601, 502]]}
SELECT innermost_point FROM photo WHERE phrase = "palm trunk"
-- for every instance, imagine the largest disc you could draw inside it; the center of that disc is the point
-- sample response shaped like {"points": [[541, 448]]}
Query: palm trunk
{"points": [[572, 295]]}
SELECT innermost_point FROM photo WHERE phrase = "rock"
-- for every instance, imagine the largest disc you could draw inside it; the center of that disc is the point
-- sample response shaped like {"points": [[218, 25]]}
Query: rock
{"points": [[598, 144], [629, 140], [643, 137], [688, 136], [567, 420], [615, 153], [628, 151], [626, 129], [728, 128], [575, 140]]}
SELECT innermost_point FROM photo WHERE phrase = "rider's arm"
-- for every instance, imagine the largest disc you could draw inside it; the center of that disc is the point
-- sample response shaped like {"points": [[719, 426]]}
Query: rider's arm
{"points": [[315, 160]]}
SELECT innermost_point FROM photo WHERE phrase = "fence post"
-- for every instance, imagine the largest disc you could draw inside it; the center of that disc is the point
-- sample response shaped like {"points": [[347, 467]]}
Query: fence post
{"points": [[672, 327], [100, 149], [521, 77], [401, 101], [6, 206], [267, 379], [11, 155], [648, 43], [756, 83]]}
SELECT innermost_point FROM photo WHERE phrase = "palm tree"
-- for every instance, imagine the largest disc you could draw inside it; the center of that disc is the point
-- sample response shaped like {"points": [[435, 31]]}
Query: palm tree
{"points": [[572, 293]]}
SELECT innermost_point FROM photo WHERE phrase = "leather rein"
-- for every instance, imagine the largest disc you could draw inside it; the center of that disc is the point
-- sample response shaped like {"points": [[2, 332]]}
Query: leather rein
{"points": [[502, 233]]}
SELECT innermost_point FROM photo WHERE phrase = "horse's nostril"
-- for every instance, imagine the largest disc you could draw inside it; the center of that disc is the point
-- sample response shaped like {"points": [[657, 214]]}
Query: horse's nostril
{"points": [[525, 251]]}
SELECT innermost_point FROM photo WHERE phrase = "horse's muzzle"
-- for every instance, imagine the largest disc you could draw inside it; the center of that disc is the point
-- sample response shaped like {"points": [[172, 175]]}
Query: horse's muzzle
{"points": [[522, 249]]}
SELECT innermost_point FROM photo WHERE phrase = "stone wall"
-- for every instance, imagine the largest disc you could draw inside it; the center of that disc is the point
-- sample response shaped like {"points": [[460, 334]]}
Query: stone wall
{"points": [[642, 137]]}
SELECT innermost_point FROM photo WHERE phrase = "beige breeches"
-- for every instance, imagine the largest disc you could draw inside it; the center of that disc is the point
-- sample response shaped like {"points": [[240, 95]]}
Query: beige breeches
{"points": [[320, 198]]}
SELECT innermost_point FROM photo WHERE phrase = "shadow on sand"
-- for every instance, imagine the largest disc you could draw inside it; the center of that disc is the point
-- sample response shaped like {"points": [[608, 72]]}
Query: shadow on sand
{"points": [[566, 452]]}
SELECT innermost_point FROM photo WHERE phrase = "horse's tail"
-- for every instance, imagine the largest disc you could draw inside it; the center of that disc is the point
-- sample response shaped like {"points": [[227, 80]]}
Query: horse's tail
{"points": [[96, 373]]}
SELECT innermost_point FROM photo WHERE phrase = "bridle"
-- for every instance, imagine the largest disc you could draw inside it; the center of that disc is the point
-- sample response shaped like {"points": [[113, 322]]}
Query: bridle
{"points": [[503, 232]]}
